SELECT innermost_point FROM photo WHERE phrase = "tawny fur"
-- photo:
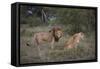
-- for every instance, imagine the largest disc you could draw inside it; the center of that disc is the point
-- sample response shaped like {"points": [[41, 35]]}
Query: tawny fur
{"points": [[51, 36], [74, 40]]}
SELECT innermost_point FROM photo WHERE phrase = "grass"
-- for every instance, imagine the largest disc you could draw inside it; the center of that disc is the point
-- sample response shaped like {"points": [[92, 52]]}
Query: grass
{"points": [[29, 54]]}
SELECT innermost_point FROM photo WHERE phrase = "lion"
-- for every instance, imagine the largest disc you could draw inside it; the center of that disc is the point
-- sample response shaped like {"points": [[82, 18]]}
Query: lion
{"points": [[74, 40], [51, 36]]}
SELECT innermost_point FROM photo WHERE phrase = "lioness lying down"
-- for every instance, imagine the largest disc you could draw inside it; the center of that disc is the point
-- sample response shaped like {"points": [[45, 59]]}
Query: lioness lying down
{"points": [[74, 40]]}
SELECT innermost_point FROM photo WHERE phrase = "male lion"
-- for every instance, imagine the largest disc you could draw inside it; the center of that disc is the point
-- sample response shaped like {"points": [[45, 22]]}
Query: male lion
{"points": [[74, 40], [51, 36]]}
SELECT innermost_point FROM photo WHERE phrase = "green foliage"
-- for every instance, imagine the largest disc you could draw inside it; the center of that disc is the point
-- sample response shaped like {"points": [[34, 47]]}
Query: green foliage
{"points": [[75, 20]]}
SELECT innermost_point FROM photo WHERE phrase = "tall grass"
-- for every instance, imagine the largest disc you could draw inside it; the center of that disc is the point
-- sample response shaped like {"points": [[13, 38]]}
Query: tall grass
{"points": [[30, 54]]}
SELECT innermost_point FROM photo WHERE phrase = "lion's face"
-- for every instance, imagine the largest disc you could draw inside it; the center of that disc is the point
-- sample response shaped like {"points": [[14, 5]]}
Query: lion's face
{"points": [[57, 33], [81, 35]]}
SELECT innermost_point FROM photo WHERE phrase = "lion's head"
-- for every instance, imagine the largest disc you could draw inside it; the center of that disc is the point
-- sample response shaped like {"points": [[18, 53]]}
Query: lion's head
{"points": [[57, 33], [80, 35]]}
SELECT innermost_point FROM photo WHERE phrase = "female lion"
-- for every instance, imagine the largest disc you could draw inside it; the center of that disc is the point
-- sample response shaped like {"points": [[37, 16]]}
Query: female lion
{"points": [[74, 40]]}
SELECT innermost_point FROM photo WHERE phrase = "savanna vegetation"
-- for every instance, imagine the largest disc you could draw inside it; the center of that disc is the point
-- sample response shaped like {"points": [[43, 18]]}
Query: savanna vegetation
{"points": [[35, 19]]}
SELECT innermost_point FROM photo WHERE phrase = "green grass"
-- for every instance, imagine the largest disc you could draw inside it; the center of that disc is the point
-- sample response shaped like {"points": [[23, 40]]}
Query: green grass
{"points": [[29, 54]]}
